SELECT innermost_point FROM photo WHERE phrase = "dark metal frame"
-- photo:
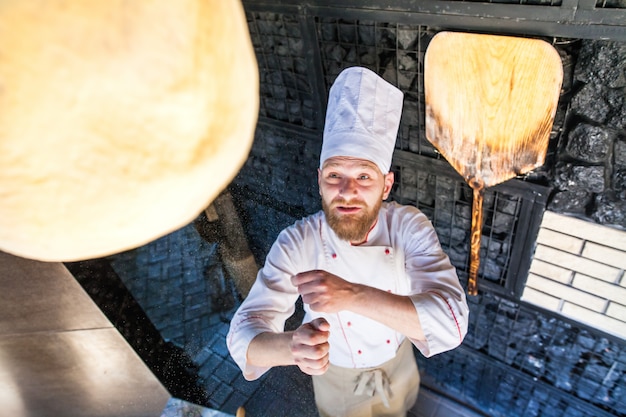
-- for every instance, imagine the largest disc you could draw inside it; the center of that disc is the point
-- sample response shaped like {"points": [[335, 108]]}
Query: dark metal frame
{"points": [[533, 200], [585, 19]]}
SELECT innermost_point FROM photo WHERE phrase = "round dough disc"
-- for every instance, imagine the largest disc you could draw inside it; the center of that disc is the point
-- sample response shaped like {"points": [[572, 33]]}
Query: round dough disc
{"points": [[119, 121]]}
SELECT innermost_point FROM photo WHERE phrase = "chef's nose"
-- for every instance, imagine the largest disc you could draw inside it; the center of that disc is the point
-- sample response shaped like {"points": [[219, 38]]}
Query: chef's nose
{"points": [[348, 186]]}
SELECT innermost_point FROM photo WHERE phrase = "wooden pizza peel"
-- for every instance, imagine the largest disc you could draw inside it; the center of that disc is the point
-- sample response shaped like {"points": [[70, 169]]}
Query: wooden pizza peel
{"points": [[490, 106]]}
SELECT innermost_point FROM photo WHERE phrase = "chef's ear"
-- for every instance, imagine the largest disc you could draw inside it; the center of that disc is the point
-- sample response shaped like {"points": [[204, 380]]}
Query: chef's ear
{"points": [[389, 179]]}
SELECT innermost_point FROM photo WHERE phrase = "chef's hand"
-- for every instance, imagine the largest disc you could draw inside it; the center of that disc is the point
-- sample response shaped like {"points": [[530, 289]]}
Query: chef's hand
{"points": [[324, 292], [309, 347]]}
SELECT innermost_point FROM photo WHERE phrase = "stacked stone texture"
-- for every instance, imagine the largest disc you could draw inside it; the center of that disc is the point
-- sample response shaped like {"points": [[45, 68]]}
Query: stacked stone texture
{"points": [[588, 367], [590, 174]]}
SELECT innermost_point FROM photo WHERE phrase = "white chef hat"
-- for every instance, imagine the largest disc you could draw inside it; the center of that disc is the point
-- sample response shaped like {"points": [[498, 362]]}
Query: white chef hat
{"points": [[362, 118]]}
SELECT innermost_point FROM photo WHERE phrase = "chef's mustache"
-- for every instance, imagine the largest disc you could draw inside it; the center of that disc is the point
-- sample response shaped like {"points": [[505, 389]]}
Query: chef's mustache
{"points": [[351, 203]]}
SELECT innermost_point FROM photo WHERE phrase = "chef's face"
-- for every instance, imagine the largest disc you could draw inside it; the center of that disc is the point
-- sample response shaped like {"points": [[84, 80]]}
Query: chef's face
{"points": [[352, 192]]}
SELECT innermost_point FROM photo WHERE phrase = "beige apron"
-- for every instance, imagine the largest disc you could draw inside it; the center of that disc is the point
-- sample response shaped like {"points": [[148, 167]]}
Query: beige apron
{"points": [[350, 387], [388, 390]]}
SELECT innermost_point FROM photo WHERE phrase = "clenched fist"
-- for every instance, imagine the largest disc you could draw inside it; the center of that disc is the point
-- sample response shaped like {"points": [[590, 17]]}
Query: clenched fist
{"points": [[309, 347]]}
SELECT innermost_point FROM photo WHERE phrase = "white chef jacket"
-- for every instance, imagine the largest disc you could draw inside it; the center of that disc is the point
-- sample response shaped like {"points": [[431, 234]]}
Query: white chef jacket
{"points": [[402, 255]]}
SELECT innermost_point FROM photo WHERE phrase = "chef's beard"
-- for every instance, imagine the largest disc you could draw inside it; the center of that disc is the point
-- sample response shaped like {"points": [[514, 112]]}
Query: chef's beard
{"points": [[351, 227]]}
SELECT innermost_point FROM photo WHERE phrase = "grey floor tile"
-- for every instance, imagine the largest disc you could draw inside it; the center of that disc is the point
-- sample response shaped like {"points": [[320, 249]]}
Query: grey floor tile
{"points": [[426, 405]]}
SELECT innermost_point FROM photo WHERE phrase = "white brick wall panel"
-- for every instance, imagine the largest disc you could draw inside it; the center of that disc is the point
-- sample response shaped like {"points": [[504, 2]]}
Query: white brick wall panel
{"points": [[573, 270], [617, 311], [584, 229], [560, 241], [600, 288], [604, 254], [577, 263], [541, 299], [553, 272], [594, 319], [566, 292]]}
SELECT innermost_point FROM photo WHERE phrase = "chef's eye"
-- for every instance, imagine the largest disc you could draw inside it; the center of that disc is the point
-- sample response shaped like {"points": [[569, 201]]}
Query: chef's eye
{"points": [[364, 177]]}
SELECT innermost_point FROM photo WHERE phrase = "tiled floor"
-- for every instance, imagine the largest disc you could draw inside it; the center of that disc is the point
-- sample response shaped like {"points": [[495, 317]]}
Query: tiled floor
{"points": [[431, 404]]}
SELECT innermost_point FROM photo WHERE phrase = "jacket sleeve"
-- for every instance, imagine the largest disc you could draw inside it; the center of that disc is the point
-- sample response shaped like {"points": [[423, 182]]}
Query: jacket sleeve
{"points": [[270, 302], [435, 290]]}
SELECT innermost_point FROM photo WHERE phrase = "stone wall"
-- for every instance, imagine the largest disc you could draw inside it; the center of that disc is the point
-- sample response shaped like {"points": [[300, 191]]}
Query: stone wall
{"points": [[518, 361], [589, 176], [277, 184]]}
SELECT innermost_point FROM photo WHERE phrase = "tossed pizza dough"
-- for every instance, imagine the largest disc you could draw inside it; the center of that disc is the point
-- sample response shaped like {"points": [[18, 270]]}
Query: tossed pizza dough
{"points": [[119, 121]]}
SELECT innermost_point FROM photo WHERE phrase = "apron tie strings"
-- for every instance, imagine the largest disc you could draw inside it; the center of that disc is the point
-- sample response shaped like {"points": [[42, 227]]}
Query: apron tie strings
{"points": [[374, 382]]}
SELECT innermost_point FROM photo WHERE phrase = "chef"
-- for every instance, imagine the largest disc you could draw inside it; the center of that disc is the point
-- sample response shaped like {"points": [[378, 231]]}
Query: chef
{"points": [[373, 278]]}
